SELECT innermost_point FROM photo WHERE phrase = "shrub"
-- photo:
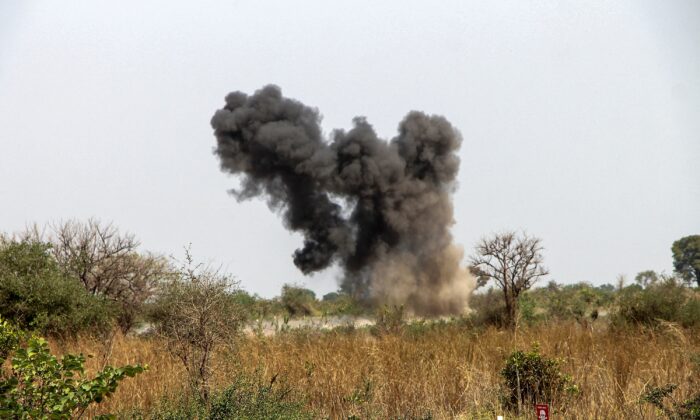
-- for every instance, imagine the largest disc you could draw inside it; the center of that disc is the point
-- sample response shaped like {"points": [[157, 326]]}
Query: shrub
{"points": [[531, 378], [659, 396], [488, 309], [298, 301], [37, 296], [390, 319], [664, 301], [575, 301], [246, 398], [42, 386], [196, 313]]}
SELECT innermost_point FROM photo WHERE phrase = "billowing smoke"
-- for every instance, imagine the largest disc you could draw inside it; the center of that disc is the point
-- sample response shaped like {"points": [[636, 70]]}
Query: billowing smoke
{"points": [[381, 210]]}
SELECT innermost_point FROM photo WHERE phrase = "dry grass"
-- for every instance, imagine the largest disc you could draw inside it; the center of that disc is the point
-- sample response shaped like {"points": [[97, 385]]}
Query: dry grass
{"points": [[447, 371]]}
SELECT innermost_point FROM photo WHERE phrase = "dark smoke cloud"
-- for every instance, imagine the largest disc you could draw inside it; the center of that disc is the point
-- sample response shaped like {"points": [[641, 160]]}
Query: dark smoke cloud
{"points": [[381, 210]]}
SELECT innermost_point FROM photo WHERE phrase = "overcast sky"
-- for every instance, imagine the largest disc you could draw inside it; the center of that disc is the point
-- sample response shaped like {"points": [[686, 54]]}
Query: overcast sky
{"points": [[581, 120]]}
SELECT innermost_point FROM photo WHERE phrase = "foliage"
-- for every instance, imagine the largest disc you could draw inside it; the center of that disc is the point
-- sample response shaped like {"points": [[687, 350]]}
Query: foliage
{"points": [[36, 295], [390, 319], [196, 313], [10, 337], [646, 278], [686, 258], [664, 301], [574, 301], [531, 378], [488, 309], [246, 398], [661, 398], [298, 301], [107, 264], [40, 386]]}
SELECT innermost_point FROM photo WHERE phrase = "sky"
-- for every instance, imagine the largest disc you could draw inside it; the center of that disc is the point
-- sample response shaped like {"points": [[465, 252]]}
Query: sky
{"points": [[580, 120]]}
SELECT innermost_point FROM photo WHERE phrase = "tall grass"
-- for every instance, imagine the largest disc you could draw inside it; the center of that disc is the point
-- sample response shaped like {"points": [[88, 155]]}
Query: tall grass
{"points": [[444, 370]]}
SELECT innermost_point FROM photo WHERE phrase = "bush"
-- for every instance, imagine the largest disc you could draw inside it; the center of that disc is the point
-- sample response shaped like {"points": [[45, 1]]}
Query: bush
{"points": [[390, 320], [246, 398], [41, 386], [488, 309], [531, 378], [665, 301], [575, 301], [658, 396], [298, 301], [35, 295], [196, 313]]}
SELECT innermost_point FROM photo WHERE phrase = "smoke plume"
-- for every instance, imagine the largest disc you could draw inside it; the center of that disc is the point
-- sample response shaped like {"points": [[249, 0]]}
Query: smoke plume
{"points": [[381, 210]]}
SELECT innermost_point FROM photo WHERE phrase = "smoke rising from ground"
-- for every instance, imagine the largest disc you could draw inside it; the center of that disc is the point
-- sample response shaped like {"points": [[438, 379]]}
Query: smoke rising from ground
{"points": [[381, 210]]}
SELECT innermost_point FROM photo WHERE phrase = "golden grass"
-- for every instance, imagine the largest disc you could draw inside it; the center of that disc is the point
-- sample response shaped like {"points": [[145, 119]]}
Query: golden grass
{"points": [[448, 371]]}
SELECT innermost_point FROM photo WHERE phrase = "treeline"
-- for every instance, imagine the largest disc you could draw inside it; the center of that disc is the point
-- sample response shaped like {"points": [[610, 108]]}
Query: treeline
{"points": [[88, 277], [667, 300]]}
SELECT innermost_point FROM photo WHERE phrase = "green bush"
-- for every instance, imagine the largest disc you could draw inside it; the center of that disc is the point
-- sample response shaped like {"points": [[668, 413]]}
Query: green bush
{"points": [[488, 309], [390, 320], [660, 397], [35, 295], [575, 301], [246, 398], [530, 378], [40, 386], [666, 301], [298, 301]]}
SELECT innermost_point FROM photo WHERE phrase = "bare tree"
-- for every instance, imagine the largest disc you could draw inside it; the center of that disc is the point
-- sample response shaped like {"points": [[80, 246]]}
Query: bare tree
{"points": [[107, 264], [514, 263], [94, 253]]}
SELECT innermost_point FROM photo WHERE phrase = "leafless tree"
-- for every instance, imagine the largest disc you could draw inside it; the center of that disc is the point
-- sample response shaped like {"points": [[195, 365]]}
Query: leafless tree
{"points": [[97, 254], [514, 263]]}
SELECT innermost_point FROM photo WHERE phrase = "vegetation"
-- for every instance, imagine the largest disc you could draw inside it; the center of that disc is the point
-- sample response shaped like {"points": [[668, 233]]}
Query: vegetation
{"points": [[531, 378], [662, 399], [196, 313], [686, 258], [216, 351], [442, 369], [514, 263], [36, 295], [40, 386], [247, 398]]}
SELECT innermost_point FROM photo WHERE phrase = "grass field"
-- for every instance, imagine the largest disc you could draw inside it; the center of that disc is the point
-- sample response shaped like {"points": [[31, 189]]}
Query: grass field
{"points": [[444, 370]]}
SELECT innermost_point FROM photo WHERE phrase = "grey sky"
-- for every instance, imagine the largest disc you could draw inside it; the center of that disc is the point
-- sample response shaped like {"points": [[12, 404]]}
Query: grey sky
{"points": [[581, 120]]}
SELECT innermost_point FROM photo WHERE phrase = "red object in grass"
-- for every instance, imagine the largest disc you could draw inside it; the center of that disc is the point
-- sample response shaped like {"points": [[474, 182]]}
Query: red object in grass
{"points": [[542, 411]]}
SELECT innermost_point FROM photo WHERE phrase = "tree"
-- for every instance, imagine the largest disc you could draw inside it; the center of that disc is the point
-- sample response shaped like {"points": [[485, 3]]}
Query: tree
{"points": [[646, 278], [196, 312], [686, 258], [514, 263], [94, 253], [107, 264], [297, 300]]}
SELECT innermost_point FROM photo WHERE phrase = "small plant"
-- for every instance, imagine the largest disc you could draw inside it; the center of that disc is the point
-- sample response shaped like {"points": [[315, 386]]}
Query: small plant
{"points": [[40, 386], [658, 396], [531, 378], [247, 398]]}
